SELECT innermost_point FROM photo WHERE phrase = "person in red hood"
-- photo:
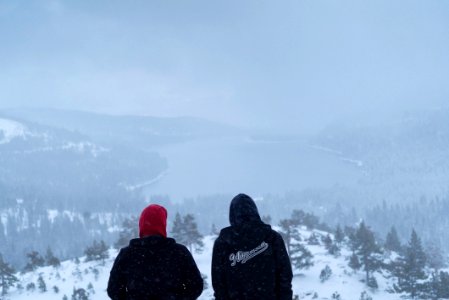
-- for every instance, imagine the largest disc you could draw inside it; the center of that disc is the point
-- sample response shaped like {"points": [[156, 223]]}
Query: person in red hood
{"points": [[154, 266]]}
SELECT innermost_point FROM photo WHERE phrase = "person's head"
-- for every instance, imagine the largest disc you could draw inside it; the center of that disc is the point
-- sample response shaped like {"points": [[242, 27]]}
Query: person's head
{"points": [[153, 221], [243, 210]]}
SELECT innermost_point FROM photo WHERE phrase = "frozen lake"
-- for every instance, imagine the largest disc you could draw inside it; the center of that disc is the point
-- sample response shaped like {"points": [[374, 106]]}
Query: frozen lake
{"points": [[244, 165]]}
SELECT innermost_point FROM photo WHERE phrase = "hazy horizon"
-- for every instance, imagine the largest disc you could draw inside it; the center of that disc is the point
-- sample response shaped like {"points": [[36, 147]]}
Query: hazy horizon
{"points": [[292, 65]]}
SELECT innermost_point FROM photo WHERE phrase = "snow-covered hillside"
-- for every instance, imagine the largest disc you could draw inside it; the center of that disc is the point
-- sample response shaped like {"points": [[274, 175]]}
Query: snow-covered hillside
{"points": [[93, 276], [10, 129]]}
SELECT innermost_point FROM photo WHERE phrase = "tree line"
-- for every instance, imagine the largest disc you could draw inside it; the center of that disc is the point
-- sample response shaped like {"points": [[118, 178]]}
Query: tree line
{"points": [[416, 269]]}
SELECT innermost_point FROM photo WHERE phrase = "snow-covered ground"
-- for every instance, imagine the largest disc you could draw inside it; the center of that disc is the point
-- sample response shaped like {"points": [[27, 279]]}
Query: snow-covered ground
{"points": [[307, 285], [10, 129], [343, 280]]}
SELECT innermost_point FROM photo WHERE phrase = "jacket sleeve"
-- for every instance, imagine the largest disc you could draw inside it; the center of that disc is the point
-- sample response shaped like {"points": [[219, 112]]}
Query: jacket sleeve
{"points": [[284, 274], [219, 282], [192, 282], [117, 280]]}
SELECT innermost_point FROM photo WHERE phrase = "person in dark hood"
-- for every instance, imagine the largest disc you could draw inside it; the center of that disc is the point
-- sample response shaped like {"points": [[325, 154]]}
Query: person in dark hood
{"points": [[249, 260], [154, 267]]}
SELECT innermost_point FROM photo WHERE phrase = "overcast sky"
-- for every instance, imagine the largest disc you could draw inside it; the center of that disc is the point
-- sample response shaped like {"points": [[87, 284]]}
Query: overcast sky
{"points": [[293, 65]]}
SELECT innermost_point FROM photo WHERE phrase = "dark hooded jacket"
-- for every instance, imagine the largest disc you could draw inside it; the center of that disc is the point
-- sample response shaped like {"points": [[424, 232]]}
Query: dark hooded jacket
{"points": [[249, 259], [154, 268]]}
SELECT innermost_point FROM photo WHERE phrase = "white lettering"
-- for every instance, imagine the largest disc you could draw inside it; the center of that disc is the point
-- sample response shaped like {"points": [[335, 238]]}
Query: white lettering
{"points": [[244, 256]]}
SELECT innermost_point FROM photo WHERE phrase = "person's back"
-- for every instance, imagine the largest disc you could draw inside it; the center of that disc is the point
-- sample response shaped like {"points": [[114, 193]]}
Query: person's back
{"points": [[154, 267], [249, 259]]}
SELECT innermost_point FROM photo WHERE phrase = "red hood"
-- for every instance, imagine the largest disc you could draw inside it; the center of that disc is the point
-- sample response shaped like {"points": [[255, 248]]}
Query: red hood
{"points": [[153, 221]]}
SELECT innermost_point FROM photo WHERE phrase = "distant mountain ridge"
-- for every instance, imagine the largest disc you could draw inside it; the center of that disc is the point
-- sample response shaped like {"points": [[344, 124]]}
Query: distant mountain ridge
{"points": [[63, 167], [403, 157], [138, 131]]}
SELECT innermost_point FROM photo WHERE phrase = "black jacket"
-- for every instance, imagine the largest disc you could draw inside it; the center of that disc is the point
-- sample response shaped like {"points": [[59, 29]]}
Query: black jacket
{"points": [[249, 260], [154, 268]]}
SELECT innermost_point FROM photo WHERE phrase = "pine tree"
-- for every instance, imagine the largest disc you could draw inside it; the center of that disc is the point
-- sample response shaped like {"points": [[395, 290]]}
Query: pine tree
{"points": [[443, 285], [298, 217], [331, 247], [435, 257], [290, 234], [19, 287], [7, 277], [354, 262], [51, 259], [80, 294], [372, 282], [410, 269], [349, 230], [432, 287], [327, 240], [31, 287], [336, 296], [334, 250], [286, 228], [193, 238], [352, 241], [313, 239], [42, 286], [325, 274], [97, 251], [367, 249], [339, 235], [178, 230], [35, 260], [301, 257], [392, 242], [128, 231], [364, 296], [90, 288]]}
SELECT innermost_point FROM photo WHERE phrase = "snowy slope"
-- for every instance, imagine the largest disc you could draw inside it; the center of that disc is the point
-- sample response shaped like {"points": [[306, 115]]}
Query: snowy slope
{"points": [[10, 129], [343, 280], [72, 275]]}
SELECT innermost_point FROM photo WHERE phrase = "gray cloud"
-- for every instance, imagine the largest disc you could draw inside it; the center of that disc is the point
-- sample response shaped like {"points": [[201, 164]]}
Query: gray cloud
{"points": [[287, 64]]}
